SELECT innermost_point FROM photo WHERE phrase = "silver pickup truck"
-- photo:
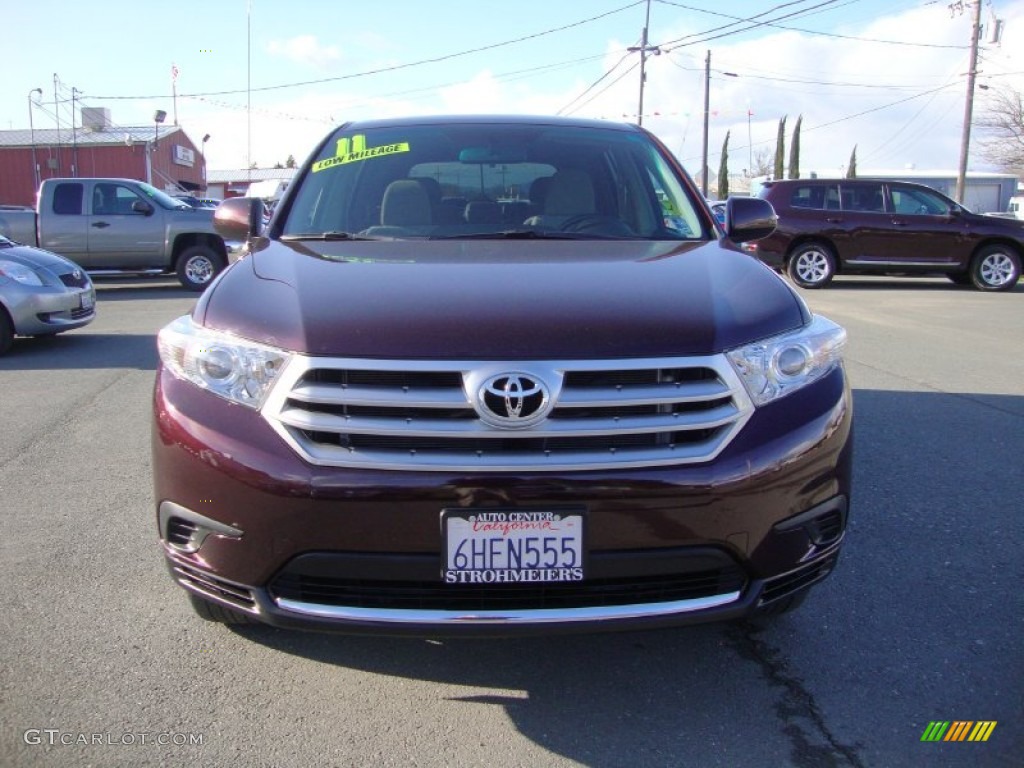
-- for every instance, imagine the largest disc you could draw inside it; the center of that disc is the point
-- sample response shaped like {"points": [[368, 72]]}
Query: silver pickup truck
{"points": [[120, 225]]}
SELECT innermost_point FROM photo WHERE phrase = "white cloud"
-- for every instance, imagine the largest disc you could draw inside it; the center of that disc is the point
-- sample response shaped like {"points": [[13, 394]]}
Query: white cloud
{"points": [[306, 50], [899, 105]]}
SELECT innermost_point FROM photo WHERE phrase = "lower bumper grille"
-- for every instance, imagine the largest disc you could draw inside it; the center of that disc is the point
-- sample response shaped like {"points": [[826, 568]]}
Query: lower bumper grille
{"points": [[799, 579], [211, 585], [421, 595]]}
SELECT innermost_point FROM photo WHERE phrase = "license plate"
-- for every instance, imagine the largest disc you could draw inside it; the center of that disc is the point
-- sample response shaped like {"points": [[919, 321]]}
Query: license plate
{"points": [[511, 546], [87, 300]]}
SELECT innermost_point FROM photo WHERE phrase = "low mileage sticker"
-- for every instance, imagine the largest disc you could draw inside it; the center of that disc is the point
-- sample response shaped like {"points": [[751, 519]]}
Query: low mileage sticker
{"points": [[498, 547]]}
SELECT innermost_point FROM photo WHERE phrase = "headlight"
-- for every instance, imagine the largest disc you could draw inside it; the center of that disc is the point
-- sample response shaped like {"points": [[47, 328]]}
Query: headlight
{"points": [[775, 367], [234, 368], [19, 273]]}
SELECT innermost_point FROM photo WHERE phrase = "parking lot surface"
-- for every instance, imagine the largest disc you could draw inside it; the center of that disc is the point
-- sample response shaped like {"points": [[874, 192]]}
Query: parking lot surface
{"points": [[105, 664]]}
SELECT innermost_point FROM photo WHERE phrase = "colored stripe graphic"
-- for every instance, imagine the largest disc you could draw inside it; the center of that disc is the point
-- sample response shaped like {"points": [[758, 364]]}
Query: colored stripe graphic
{"points": [[959, 730], [935, 731], [982, 730]]}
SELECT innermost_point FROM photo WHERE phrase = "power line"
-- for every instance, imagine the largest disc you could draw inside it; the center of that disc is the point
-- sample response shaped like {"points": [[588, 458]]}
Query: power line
{"points": [[613, 82], [707, 36], [752, 20], [393, 68], [594, 84]]}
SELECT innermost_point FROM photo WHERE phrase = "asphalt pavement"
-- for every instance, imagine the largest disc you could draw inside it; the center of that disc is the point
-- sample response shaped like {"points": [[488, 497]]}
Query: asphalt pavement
{"points": [[103, 663]]}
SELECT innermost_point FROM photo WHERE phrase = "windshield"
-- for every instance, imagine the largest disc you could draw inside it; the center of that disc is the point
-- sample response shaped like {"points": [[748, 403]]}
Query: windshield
{"points": [[492, 180], [161, 198]]}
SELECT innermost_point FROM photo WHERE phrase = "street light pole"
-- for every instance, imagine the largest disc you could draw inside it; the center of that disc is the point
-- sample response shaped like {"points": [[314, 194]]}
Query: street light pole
{"points": [[158, 117], [32, 133], [206, 138], [704, 143]]}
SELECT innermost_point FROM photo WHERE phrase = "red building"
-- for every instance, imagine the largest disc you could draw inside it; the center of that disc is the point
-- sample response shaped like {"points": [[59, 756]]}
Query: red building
{"points": [[160, 154]]}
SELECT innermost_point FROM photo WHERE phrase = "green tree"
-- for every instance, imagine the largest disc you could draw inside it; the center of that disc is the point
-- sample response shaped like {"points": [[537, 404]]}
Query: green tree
{"points": [[851, 169], [794, 150], [723, 170], [290, 162], [780, 150]]}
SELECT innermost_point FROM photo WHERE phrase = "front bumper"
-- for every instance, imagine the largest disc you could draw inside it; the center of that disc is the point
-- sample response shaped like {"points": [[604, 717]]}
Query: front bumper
{"points": [[43, 310], [245, 523]]}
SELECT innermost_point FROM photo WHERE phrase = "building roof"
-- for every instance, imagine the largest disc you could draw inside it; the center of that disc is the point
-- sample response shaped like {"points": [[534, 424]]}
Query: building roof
{"points": [[249, 174], [24, 137], [918, 173]]}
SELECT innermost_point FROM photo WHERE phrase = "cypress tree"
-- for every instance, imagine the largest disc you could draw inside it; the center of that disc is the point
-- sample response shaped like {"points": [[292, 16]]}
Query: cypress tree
{"points": [[723, 170], [794, 150], [780, 150]]}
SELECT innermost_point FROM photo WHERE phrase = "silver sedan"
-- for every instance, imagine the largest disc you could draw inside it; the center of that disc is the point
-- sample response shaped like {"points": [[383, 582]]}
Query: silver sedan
{"points": [[41, 293]]}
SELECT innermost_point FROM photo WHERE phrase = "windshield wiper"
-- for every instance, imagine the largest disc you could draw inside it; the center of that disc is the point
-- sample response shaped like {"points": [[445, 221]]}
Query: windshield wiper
{"points": [[526, 234], [332, 235]]}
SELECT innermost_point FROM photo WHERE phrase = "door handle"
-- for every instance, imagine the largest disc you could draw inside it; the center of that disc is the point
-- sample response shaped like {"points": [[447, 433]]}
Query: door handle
{"points": [[832, 220], [100, 224]]}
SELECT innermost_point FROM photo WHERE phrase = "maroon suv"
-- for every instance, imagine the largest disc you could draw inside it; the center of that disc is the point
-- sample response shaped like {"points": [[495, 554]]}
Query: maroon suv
{"points": [[490, 375], [874, 226]]}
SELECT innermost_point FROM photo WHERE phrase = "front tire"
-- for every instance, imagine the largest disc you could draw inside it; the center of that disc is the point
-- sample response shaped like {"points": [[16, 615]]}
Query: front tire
{"points": [[197, 266], [995, 268], [812, 265]]}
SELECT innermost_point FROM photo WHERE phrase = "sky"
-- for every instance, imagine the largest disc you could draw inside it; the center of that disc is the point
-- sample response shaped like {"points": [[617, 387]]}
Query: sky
{"points": [[268, 79]]}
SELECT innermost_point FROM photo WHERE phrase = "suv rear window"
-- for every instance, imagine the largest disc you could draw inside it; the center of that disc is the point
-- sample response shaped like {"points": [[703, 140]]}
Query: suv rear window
{"points": [[815, 196]]}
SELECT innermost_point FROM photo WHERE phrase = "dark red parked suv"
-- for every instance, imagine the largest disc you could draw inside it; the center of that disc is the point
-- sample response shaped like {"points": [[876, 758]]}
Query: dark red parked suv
{"points": [[492, 375], [873, 226]]}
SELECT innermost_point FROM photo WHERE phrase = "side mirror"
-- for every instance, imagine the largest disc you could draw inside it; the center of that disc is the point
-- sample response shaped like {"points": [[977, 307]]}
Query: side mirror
{"points": [[141, 206], [239, 218], [749, 218]]}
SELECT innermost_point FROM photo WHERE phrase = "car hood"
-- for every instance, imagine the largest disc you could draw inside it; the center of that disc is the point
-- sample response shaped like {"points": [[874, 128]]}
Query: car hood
{"points": [[34, 258], [500, 300]]}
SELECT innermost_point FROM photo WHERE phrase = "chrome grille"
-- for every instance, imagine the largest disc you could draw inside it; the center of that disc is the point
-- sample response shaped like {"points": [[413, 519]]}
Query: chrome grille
{"points": [[427, 415]]}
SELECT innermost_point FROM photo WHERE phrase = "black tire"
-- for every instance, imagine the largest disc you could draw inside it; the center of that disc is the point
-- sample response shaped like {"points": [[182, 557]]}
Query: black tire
{"points": [[995, 268], [6, 331], [215, 612], [811, 265], [197, 265]]}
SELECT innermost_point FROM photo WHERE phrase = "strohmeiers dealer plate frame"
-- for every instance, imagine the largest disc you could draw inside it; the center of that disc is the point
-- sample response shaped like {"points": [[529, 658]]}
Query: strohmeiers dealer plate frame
{"points": [[513, 546]]}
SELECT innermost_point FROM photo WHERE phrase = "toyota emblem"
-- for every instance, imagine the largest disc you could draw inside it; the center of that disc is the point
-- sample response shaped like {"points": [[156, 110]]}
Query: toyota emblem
{"points": [[513, 400]]}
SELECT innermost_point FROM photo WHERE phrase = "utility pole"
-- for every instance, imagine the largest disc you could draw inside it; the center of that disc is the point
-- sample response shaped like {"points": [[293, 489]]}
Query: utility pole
{"points": [[965, 140], [74, 132], [707, 107], [56, 116], [644, 49]]}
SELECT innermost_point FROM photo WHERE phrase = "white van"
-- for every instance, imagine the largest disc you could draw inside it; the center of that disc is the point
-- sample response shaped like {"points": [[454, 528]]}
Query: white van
{"points": [[1016, 207], [270, 190]]}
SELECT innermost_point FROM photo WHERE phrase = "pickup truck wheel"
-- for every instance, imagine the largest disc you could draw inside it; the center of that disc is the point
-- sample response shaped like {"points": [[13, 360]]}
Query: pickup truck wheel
{"points": [[812, 265], [6, 331], [995, 268], [197, 266]]}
